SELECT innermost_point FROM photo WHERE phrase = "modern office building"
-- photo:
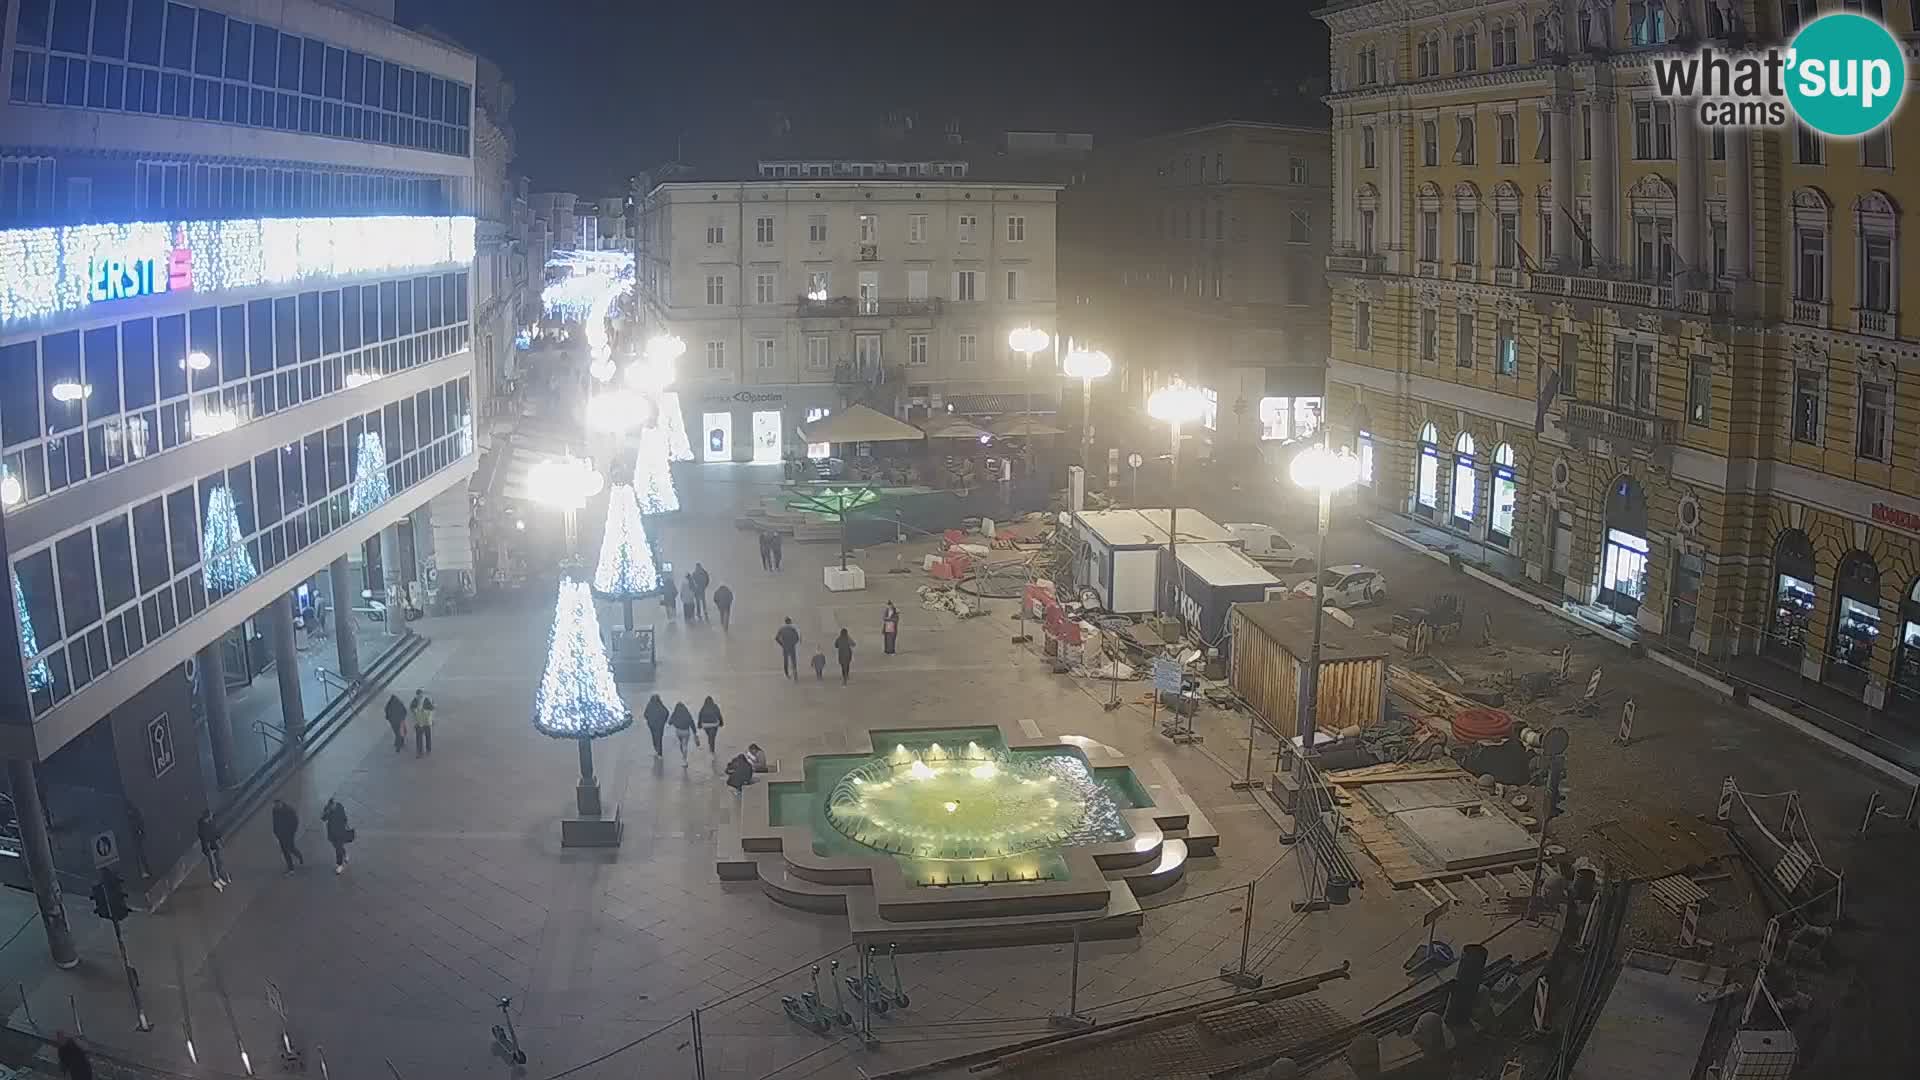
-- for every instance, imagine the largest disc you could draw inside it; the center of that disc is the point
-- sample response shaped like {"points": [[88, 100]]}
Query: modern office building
{"points": [[1660, 365], [234, 351], [801, 283], [1202, 254]]}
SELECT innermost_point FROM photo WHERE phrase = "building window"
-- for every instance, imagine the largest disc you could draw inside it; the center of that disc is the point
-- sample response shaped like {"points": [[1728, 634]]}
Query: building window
{"points": [[816, 228], [819, 352], [1506, 349], [1427, 57], [916, 228], [763, 354], [1504, 497], [1540, 38], [1429, 335], [1543, 143], [1506, 45], [1809, 406], [1296, 170], [763, 230], [1586, 130], [1586, 239], [1633, 385], [1429, 236], [1367, 160], [1466, 494], [716, 232], [1463, 141], [1876, 150], [716, 356], [1366, 232], [1699, 391], [1430, 143], [1364, 451], [1508, 240], [967, 348], [1300, 227], [1509, 139], [716, 289], [1647, 22], [1808, 147], [1876, 272], [1653, 130], [819, 285], [1013, 284], [1427, 486], [966, 285], [1876, 428], [1466, 50], [1466, 238], [1463, 340], [1653, 255], [1016, 229], [917, 350], [1545, 243], [963, 229], [763, 288], [1719, 235], [1810, 264], [1362, 326]]}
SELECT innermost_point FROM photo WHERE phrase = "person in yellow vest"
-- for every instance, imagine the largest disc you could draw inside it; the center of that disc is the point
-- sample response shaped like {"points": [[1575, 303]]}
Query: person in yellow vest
{"points": [[423, 728]]}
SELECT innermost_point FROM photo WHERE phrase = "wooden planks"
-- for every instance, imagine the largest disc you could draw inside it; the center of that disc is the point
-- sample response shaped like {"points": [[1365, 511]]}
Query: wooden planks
{"points": [[1677, 892], [1646, 849]]}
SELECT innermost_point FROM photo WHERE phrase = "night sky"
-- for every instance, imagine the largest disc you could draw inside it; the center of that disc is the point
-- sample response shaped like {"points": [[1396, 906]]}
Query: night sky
{"points": [[608, 87]]}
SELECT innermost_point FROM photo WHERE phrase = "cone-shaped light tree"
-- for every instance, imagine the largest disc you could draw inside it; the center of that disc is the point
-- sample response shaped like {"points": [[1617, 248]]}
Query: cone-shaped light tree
{"points": [[678, 447], [577, 698], [627, 571], [224, 561], [38, 677], [653, 473]]}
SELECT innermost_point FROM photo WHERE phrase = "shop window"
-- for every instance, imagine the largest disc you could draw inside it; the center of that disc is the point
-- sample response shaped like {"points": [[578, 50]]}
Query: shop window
{"points": [[1791, 612], [1906, 670], [1504, 496], [1364, 451], [1427, 489], [1624, 558], [1466, 490], [1856, 626]]}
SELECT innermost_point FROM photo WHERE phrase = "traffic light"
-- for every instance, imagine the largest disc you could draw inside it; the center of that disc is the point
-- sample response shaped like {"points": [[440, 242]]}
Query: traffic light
{"points": [[110, 896], [1556, 798]]}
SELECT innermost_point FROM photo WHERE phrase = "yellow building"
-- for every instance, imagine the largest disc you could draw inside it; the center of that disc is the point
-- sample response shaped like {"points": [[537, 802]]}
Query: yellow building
{"points": [[1661, 366]]}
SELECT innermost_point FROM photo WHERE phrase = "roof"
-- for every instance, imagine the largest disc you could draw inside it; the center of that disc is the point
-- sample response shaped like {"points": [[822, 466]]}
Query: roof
{"points": [[860, 424], [1148, 527], [1223, 565], [1023, 425], [1289, 624]]}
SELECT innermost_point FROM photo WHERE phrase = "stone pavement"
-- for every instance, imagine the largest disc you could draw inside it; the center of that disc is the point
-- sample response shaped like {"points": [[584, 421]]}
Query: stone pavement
{"points": [[458, 892]]}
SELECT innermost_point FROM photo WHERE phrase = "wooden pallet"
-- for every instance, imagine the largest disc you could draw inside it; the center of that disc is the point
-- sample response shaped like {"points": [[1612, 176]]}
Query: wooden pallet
{"points": [[1646, 849], [1678, 892], [1402, 868], [1393, 772]]}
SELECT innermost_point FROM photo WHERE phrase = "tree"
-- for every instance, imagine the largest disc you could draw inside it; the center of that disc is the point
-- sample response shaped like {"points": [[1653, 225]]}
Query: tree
{"points": [[223, 551], [38, 677], [577, 698], [370, 487], [627, 571], [653, 473]]}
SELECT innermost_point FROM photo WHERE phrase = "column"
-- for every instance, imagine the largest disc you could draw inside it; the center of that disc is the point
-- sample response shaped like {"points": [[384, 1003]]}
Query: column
{"points": [[338, 575], [1739, 202], [286, 668], [1342, 181], [1689, 215], [213, 703], [33, 839], [390, 579], [1560, 146], [1606, 180]]}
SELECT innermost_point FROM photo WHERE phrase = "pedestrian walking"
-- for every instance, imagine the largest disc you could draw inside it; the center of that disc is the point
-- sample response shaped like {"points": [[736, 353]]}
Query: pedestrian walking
{"points": [[710, 722], [73, 1057], [766, 551], [689, 608], [682, 721], [701, 579], [210, 846], [788, 638], [397, 720], [339, 832], [723, 599], [286, 828], [776, 551], [819, 666], [669, 595], [889, 626], [423, 728], [843, 648], [656, 714]]}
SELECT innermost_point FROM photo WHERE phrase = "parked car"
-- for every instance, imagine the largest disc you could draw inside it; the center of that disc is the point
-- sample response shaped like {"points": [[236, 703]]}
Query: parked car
{"points": [[1268, 547], [1346, 586]]}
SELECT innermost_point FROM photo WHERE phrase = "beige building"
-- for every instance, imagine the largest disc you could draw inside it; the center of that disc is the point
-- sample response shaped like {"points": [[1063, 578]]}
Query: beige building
{"points": [[1660, 366], [800, 285], [1201, 253]]}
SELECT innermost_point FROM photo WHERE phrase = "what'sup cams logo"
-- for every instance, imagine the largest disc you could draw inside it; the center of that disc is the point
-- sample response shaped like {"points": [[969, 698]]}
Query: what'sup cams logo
{"points": [[1843, 75]]}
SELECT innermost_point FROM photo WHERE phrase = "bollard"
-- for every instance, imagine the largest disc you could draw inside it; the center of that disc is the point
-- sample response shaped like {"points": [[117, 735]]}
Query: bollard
{"points": [[320, 1055], [27, 1007], [73, 1006], [1071, 1019], [1240, 976], [699, 1048]]}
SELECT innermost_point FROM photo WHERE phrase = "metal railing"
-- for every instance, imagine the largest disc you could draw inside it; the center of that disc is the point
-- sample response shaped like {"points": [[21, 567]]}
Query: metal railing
{"points": [[1611, 423], [840, 307]]}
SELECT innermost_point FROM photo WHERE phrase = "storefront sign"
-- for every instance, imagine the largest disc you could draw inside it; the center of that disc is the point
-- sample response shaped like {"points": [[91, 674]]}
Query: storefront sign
{"points": [[121, 279], [750, 397], [1896, 517]]}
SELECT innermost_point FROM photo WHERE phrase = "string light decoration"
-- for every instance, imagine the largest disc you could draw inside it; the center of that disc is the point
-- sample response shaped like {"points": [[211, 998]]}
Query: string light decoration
{"points": [[675, 421], [38, 677], [626, 570], [653, 473], [224, 561], [370, 487], [588, 285], [577, 698]]}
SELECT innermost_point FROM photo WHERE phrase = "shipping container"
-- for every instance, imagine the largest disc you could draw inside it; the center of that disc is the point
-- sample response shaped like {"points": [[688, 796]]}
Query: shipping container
{"points": [[1212, 578], [1118, 554], [1272, 642]]}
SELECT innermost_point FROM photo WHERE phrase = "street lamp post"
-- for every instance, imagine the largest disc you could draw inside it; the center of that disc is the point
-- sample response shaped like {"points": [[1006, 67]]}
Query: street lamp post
{"points": [[1087, 365], [566, 485], [1027, 340], [1176, 403], [1324, 471]]}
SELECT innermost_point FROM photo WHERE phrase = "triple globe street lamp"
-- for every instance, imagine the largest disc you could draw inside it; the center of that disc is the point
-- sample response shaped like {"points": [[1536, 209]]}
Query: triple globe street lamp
{"points": [[1176, 404], [1324, 471]]}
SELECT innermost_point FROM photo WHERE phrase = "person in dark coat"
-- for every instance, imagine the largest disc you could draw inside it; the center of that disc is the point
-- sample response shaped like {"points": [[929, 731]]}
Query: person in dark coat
{"points": [[766, 551], [689, 607], [710, 722], [656, 714], [210, 846], [776, 551], [669, 594], [723, 599], [889, 626], [739, 772], [819, 666], [701, 579], [73, 1058], [788, 638], [843, 648], [286, 827], [339, 832], [397, 720], [682, 721]]}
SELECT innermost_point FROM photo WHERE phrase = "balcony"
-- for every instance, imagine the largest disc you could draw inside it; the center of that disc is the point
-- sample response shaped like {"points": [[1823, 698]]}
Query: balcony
{"points": [[846, 307], [1809, 312], [1618, 425], [1714, 303], [1356, 263], [1428, 268], [1466, 272], [1506, 275], [1646, 294], [1875, 323]]}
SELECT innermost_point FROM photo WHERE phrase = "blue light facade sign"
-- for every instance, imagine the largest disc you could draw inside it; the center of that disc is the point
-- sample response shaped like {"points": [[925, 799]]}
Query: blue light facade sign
{"points": [[121, 279]]}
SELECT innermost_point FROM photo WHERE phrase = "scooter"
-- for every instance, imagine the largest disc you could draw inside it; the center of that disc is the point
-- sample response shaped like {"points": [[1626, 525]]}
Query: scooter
{"points": [[805, 1009], [872, 991], [899, 994], [505, 1039], [840, 1012]]}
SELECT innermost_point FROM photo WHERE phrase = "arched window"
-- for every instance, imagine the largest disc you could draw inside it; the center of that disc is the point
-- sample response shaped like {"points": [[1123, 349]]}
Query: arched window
{"points": [[1876, 233], [1906, 670], [1856, 624], [1367, 202], [1466, 490], [1812, 229], [1427, 488], [1793, 595], [1505, 493], [1427, 200], [1652, 202]]}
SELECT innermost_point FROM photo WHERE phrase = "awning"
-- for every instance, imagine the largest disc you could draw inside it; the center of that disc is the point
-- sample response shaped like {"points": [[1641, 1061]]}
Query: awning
{"points": [[1044, 402], [954, 427], [860, 424], [1022, 425]]}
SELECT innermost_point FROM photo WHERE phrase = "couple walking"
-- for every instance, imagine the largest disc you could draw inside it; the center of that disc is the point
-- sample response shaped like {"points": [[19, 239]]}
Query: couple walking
{"points": [[682, 721], [788, 638], [420, 714], [770, 551]]}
